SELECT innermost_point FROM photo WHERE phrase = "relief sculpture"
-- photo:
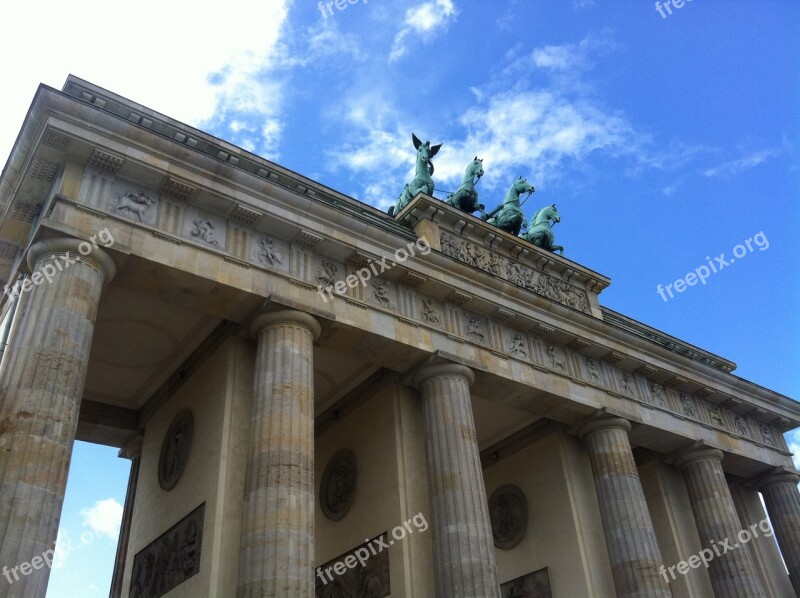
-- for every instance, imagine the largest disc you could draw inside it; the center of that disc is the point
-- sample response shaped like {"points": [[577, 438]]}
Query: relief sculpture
{"points": [[170, 560], [515, 272]]}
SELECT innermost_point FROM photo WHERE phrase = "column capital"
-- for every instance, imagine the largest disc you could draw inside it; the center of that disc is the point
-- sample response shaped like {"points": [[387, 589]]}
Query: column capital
{"points": [[132, 449], [694, 454], [442, 370], [777, 476], [603, 423], [96, 256], [285, 316]]}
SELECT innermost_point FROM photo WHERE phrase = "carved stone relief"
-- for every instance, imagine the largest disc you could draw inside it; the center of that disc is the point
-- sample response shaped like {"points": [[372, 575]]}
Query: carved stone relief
{"points": [[518, 346], [626, 383], [175, 450], [593, 370], [326, 274], [555, 358], [368, 581], [171, 559], [687, 405], [268, 253], [515, 272], [430, 313], [380, 294], [138, 206], [338, 487], [659, 394], [508, 512], [532, 585], [205, 228], [475, 328]]}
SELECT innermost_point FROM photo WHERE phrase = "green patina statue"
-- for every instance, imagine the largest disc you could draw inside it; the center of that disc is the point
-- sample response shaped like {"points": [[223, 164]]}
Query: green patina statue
{"points": [[466, 197], [422, 183], [540, 232], [509, 216]]}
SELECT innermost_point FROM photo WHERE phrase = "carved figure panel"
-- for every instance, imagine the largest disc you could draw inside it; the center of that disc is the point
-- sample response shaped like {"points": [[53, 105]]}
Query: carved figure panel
{"points": [[688, 406], [380, 292], [138, 206], [431, 313], [171, 559], [593, 373], [370, 580], [627, 384], [715, 416], [269, 252], [475, 328], [175, 450], [659, 395], [508, 512], [532, 585], [555, 358], [514, 272], [517, 345], [205, 228], [338, 488]]}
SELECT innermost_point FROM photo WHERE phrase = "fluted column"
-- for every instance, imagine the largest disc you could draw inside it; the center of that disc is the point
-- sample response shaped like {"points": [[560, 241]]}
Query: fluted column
{"points": [[463, 546], [782, 498], [627, 525], [277, 550], [133, 451], [41, 386], [732, 571]]}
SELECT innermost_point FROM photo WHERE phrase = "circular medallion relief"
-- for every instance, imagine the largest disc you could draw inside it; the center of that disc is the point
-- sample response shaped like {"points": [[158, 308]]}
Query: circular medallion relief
{"points": [[508, 512], [338, 487], [175, 450]]}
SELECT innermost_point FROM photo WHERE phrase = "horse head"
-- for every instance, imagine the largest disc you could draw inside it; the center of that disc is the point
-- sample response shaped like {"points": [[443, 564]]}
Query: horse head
{"points": [[475, 168], [519, 187], [425, 151]]}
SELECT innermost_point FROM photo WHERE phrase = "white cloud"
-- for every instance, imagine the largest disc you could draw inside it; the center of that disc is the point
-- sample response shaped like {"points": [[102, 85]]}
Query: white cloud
{"points": [[104, 518], [733, 167], [192, 62], [424, 18]]}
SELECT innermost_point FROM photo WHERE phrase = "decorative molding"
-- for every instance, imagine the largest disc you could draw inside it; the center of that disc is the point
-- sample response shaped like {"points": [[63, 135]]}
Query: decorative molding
{"points": [[8, 251], [411, 280], [615, 357], [84, 208], [306, 239], [177, 188], [43, 170], [515, 272], [502, 315], [458, 298], [25, 212], [56, 140], [106, 161], [236, 262], [167, 237], [245, 215]]}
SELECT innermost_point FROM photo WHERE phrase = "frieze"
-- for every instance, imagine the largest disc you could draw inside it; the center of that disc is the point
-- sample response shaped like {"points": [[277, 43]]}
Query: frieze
{"points": [[169, 560], [335, 580], [532, 585], [515, 272]]}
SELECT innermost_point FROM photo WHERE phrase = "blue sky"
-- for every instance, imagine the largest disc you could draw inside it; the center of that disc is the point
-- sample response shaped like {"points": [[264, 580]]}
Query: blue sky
{"points": [[662, 140]]}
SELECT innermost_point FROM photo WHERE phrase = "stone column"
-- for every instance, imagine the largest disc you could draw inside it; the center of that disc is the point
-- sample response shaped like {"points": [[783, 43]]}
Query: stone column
{"points": [[277, 549], [463, 546], [627, 526], [41, 386], [133, 451], [732, 572], [782, 498]]}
